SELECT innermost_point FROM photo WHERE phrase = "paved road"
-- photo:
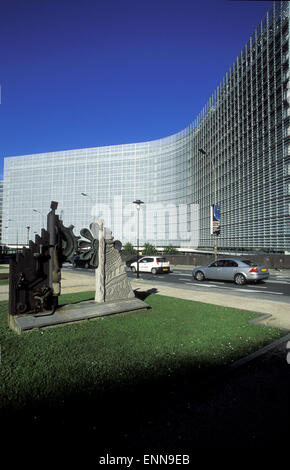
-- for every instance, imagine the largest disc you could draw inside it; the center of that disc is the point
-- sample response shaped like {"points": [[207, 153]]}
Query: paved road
{"points": [[277, 288]]}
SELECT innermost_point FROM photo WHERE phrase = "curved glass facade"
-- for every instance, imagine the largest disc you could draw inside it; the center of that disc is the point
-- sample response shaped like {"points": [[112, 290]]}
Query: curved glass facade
{"points": [[244, 129]]}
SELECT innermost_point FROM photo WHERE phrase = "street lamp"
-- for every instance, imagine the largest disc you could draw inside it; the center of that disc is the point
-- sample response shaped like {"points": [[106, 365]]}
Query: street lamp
{"points": [[213, 170], [28, 228], [90, 197], [138, 204]]}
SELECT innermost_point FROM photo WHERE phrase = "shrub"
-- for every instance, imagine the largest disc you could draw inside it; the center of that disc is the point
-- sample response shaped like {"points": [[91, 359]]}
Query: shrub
{"points": [[129, 249], [149, 249], [170, 250]]}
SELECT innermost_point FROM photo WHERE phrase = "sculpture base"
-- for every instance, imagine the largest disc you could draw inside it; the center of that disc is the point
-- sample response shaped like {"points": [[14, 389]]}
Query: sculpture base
{"points": [[74, 313]]}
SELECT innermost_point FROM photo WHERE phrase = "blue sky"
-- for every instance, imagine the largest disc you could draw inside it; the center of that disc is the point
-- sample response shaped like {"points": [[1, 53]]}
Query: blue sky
{"points": [[87, 73]]}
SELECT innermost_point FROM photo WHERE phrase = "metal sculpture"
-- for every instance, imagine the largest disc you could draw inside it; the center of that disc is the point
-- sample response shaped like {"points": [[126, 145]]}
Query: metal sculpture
{"points": [[92, 254], [35, 273], [35, 276]]}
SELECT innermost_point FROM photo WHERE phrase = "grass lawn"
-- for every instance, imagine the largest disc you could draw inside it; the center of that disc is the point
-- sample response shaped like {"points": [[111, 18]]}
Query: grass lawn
{"points": [[125, 384], [175, 338]]}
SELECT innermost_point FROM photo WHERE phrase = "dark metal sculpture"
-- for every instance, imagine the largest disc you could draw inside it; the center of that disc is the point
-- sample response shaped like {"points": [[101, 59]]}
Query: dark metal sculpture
{"points": [[35, 273], [93, 244], [34, 279]]}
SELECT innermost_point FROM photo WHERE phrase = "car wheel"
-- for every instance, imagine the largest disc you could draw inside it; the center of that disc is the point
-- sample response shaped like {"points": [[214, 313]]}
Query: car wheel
{"points": [[240, 279], [199, 276], [154, 271], [133, 269]]}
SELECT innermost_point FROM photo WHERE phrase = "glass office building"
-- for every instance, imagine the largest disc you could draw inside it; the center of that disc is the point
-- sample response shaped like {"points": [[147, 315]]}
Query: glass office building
{"points": [[244, 128], [1, 207]]}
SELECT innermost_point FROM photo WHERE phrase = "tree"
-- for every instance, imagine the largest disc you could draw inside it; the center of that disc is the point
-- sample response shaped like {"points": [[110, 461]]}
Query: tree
{"points": [[149, 249], [129, 249]]}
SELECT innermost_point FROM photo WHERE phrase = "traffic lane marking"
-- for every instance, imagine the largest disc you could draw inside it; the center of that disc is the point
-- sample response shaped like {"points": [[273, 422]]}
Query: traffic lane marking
{"points": [[249, 285], [271, 281], [180, 274], [260, 287], [201, 285], [236, 289]]}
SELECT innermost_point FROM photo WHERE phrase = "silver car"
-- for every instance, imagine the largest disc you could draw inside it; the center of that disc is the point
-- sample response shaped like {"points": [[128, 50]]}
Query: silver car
{"points": [[232, 269]]}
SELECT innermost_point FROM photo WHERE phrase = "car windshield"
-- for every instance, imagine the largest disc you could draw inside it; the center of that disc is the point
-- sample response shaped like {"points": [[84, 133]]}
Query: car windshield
{"points": [[249, 262]]}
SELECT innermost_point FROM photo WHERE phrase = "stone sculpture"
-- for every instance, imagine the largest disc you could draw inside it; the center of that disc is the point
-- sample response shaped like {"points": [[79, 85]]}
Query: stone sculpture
{"points": [[111, 279]]}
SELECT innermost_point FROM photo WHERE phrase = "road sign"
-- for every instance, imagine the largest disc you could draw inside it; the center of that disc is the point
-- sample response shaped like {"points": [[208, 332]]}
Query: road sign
{"points": [[216, 212], [215, 217]]}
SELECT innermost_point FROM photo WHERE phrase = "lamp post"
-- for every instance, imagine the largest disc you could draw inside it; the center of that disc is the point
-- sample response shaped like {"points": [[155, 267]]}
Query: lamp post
{"points": [[28, 228], [90, 197], [138, 205], [213, 171]]}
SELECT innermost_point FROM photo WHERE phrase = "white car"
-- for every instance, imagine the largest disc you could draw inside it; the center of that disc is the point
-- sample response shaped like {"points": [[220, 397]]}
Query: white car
{"points": [[151, 264]]}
